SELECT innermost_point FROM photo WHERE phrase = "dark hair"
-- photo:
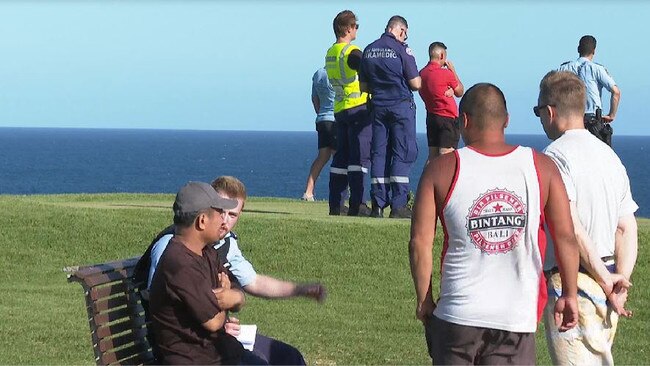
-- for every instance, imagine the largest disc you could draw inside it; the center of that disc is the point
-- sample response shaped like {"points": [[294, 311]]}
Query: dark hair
{"points": [[343, 21], [565, 91], [186, 219], [587, 45], [433, 47], [486, 104], [396, 20]]}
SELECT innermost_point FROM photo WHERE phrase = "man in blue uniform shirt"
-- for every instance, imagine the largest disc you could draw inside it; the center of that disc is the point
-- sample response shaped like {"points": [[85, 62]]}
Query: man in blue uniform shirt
{"points": [[595, 77], [389, 73]]}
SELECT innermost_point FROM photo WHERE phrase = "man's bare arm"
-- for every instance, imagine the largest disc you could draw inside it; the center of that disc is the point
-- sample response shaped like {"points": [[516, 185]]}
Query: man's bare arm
{"points": [[316, 102], [626, 245], [589, 258], [273, 288], [423, 230], [415, 83], [459, 90], [558, 216], [613, 104], [216, 322], [229, 298]]}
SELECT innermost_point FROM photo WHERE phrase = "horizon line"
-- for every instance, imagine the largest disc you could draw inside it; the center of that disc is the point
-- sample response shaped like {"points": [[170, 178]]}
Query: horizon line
{"points": [[220, 130]]}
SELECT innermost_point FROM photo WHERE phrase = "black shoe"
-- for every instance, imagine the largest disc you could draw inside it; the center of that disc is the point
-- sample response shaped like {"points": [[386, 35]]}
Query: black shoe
{"points": [[377, 212], [341, 211], [400, 213], [363, 211]]}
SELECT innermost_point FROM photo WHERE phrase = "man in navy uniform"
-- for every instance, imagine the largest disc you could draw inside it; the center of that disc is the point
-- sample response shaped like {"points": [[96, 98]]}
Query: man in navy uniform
{"points": [[389, 73], [595, 77]]}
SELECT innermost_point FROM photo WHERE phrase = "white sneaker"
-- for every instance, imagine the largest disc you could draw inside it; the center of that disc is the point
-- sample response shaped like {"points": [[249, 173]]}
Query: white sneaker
{"points": [[307, 198]]}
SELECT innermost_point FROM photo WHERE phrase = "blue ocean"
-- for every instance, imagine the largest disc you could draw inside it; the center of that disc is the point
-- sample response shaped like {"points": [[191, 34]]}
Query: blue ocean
{"points": [[271, 164]]}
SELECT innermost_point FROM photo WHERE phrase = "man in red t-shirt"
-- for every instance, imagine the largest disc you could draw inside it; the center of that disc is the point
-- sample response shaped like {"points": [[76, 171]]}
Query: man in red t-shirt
{"points": [[440, 84]]}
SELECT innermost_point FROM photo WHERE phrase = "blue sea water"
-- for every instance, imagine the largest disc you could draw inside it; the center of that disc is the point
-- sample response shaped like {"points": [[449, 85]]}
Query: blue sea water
{"points": [[275, 164]]}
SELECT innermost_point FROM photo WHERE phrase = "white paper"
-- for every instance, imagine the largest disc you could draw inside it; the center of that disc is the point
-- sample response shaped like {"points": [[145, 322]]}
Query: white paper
{"points": [[247, 336]]}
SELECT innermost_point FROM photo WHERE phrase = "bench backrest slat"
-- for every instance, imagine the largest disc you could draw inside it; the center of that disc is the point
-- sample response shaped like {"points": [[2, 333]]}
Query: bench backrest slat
{"points": [[130, 324], [115, 313], [115, 357], [112, 316], [108, 344], [100, 292], [142, 358]]}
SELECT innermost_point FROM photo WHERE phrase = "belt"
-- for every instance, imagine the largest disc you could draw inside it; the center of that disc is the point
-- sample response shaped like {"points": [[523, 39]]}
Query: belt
{"points": [[608, 261]]}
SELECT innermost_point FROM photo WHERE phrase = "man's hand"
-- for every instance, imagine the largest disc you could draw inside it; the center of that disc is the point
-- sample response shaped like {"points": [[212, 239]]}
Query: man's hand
{"points": [[617, 299], [315, 291], [449, 65], [612, 280], [616, 292], [425, 309], [229, 299], [224, 280], [449, 93], [607, 118], [566, 313], [232, 326]]}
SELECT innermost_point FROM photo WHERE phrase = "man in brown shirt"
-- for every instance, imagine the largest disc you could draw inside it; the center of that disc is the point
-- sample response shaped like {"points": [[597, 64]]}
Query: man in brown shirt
{"points": [[187, 319]]}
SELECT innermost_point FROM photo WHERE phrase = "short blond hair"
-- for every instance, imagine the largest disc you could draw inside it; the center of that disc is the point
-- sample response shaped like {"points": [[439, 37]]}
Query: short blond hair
{"points": [[230, 186], [565, 91]]}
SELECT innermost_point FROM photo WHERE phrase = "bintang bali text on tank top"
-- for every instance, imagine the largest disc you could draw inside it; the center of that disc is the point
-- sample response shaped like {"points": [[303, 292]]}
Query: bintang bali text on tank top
{"points": [[496, 221]]}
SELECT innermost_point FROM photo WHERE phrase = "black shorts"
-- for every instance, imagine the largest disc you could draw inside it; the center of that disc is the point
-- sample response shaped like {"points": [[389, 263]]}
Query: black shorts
{"points": [[326, 134], [454, 344], [442, 131]]}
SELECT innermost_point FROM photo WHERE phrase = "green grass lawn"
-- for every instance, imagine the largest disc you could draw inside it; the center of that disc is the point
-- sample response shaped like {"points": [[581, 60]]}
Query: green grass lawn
{"points": [[368, 317]]}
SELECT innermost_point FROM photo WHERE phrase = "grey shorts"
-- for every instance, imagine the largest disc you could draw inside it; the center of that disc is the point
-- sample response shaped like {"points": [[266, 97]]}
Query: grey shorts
{"points": [[453, 344]]}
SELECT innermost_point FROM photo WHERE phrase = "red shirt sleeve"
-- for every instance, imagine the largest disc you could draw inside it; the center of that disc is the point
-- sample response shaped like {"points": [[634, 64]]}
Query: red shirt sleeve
{"points": [[453, 82]]}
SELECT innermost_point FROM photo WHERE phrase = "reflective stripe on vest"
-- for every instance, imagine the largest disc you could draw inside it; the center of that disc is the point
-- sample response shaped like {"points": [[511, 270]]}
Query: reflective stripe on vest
{"points": [[344, 79]]}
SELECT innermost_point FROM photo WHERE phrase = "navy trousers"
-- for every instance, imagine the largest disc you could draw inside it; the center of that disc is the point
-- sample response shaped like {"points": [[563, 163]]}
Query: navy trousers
{"points": [[351, 161], [269, 351], [394, 150]]}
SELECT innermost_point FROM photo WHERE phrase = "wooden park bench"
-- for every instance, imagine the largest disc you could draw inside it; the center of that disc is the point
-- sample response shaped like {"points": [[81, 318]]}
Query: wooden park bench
{"points": [[118, 328]]}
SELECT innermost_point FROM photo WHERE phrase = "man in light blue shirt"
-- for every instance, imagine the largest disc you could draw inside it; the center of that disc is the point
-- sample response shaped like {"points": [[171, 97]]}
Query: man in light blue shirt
{"points": [[322, 98], [239, 266], [595, 77], [322, 94]]}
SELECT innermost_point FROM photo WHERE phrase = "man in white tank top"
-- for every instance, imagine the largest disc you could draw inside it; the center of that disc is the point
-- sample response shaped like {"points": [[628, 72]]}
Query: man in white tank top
{"points": [[492, 200], [601, 203]]}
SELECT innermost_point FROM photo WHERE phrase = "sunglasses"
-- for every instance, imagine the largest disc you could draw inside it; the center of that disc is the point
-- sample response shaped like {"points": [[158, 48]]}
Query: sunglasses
{"points": [[537, 108], [356, 26]]}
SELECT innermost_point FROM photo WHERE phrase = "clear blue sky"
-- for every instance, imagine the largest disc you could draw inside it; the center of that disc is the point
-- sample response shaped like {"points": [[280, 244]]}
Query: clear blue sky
{"points": [[247, 65]]}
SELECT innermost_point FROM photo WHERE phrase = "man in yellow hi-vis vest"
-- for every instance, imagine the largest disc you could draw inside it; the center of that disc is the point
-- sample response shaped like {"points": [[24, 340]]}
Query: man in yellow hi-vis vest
{"points": [[354, 132]]}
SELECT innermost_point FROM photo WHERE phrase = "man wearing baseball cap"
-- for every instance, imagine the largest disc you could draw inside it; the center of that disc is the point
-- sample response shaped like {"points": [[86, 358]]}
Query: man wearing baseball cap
{"points": [[187, 320]]}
